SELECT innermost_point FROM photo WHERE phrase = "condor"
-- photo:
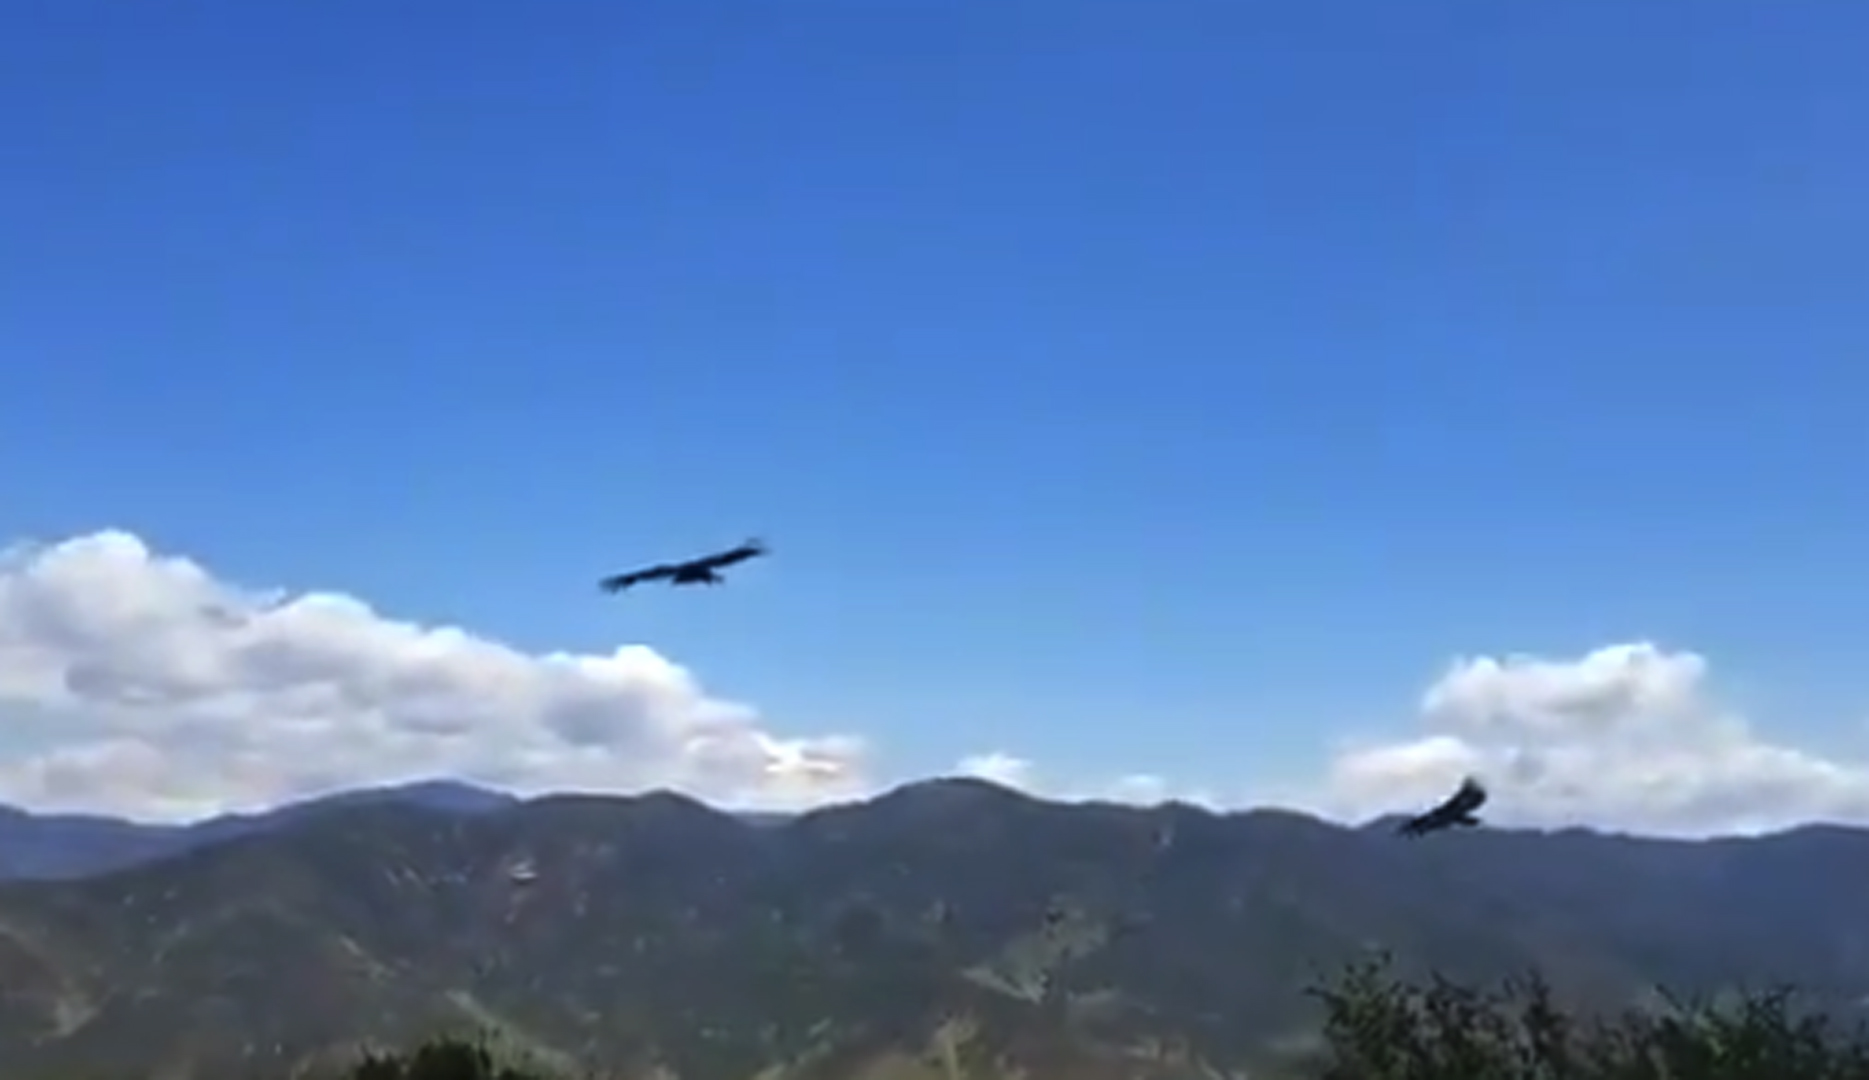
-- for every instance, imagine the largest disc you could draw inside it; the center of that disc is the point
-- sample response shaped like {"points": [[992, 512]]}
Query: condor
{"points": [[702, 571]]}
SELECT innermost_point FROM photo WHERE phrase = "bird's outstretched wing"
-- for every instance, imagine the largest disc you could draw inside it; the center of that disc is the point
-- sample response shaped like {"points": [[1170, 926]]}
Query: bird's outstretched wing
{"points": [[1469, 798], [752, 549], [619, 582]]}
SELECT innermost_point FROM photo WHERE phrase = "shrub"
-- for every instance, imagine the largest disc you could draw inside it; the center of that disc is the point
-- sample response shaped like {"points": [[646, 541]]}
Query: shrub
{"points": [[443, 1059], [1379, 1027]]}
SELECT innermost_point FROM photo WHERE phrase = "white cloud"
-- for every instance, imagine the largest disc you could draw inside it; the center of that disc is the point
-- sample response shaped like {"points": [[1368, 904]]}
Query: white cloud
{"points": [[1628, 736], [136, 683], [999, 767], [1017, 772]]}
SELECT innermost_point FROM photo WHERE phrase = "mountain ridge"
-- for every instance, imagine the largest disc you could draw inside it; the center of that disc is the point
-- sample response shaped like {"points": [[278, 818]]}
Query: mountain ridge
{"points": [[65, 846], [58, 846]]}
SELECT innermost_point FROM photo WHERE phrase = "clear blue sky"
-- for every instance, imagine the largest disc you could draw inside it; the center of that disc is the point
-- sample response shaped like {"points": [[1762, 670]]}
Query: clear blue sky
{"points": [[1115, 380]]}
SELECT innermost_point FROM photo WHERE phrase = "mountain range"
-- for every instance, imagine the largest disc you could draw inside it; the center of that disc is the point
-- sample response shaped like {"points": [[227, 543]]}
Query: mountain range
{"points": [[945, 928]]}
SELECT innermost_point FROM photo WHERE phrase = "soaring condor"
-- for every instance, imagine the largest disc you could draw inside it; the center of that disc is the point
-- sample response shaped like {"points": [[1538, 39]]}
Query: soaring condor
{"points": [[1456, 811], [701, 571]]}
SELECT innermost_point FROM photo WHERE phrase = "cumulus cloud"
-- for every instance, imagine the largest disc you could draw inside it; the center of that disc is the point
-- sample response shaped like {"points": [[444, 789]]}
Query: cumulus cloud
{"points": [[1628, 736], [138, 683]]}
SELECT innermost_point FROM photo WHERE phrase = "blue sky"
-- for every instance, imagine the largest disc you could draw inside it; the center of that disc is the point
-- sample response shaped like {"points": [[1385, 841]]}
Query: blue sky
{"points": [[1170, 386]]}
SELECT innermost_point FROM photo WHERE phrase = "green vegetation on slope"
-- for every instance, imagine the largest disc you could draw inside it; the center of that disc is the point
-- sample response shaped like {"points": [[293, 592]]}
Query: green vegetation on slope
{"points": [[1381, 1027]]}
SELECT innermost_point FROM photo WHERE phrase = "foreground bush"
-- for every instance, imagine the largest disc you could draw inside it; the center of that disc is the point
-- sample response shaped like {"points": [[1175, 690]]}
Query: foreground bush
{"points": [[445, 1059], [1379, 1027]]}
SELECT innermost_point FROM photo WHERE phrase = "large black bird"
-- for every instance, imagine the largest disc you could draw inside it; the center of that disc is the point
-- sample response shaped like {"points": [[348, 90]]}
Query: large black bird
{"points": [[701, 571], [1456, 811]]}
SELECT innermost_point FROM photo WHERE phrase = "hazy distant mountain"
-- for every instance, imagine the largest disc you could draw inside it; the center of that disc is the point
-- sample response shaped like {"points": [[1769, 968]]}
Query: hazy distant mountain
{"points": [[945, 923], [52, 847]]}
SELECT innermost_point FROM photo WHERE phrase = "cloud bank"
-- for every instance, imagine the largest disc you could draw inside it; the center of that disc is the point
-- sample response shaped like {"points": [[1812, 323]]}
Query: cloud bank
{"points": [[138, 683], [1628, 736]]}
